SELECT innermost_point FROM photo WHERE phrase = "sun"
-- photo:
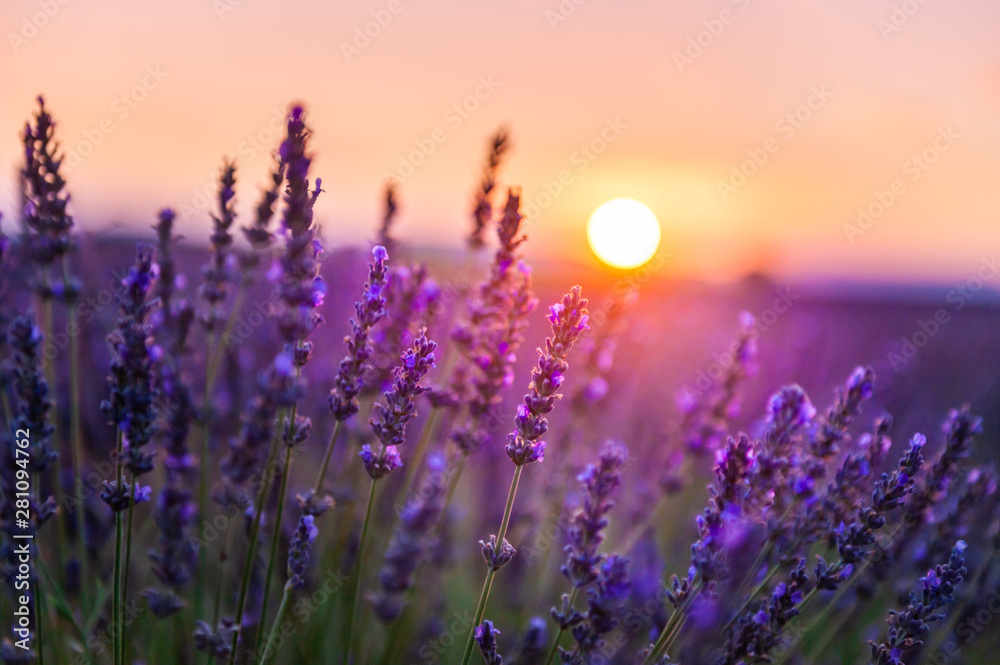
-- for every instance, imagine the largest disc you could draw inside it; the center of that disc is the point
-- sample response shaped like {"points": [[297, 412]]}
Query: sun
{"points": [[623, 233]]}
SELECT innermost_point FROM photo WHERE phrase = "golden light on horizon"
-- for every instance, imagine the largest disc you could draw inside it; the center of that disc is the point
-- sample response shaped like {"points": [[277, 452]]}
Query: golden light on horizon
{"points": [[624, 233]]}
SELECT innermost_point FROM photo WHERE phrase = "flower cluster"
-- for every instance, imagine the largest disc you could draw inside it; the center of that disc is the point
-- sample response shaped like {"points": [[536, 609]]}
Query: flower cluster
{"points": [[482, 213], [494, 332], [757, 634], [45, 205], [410, 296], [598, 482], [300, 288], [298, 551], [705, 420], [174, 560], [131, 406], [569, 320], [718, 525], [486, 638], [32, 414], [369, 310], [604, 600], [276, 388], [907, 627], [218, 273], [389, 422]]}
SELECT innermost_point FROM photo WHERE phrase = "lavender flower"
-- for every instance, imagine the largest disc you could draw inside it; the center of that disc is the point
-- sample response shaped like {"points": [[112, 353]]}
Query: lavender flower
{"points": [[604, 601], [174, 561], [276, 388], [855, 541], [599, 355], [718, 523], [487, 641], [217, 643], [131, 406], [833, 428], [906, 628], [406, 302], [569, 320], [47, 221], [258, 233], [298, 551], [218, 273], [300, 287], [756, 634], [483, 210], [32, 413], [411, 542], [533, 643], [959, 429], [497, 557], [494, 331], [389, 421], [706, 419], [350, 377], [586, 534], [846, 491]]}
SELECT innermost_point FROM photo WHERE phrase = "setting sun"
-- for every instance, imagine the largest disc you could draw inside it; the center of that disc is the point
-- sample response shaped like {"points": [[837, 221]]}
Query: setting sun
{"points": [[623, 233]]}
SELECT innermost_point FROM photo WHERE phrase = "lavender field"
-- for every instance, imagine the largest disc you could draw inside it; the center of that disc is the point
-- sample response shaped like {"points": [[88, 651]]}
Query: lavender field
{"points": [[260, 446]]}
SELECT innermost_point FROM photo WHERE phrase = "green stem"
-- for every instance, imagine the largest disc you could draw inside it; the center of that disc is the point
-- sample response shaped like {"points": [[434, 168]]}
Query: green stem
{"points": [[420, 451], [221, 579], [355, 595], [321, 476], [555, 643], [749, 599], [117, 599], [484, 595], [672, 629], [262, 492], [215, 352], [282, 608], [128, 556], [275, 538], [76, 438]]}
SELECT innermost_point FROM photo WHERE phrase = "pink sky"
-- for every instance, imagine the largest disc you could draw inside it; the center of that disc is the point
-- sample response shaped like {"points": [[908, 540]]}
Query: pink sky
{"points": [[201, 79]]}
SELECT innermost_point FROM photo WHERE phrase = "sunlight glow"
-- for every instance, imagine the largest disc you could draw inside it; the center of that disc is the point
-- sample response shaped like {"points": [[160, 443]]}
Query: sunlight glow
{"points": [[623, 233]]}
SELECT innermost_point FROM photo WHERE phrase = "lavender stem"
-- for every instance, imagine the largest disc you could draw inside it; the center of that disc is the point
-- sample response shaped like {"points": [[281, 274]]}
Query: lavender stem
{"points": [[355, 596], [484, 596]]}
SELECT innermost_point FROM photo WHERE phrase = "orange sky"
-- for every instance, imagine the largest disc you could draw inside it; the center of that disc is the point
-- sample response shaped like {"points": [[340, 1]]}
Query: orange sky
{"points": [[201, 78]]}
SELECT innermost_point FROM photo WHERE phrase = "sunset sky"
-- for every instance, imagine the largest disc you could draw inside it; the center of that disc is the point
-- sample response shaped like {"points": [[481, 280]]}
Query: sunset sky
{"points": [[873, 104]]}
